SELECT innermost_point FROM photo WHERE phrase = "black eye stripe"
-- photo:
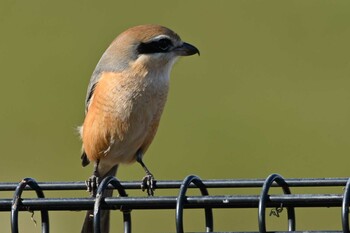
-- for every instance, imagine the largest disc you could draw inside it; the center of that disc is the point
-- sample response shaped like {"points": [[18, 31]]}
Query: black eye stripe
{"points": [[159, 46], [164, 43]]}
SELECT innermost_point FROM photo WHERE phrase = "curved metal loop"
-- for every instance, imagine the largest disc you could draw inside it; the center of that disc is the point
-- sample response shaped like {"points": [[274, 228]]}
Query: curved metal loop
{"points": [[16, 202], [345, 208], [264, 198], [182, 198], [99, 198]]}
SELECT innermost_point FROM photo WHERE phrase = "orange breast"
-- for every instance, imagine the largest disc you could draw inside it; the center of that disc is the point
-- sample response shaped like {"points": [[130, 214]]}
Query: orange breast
{"points": [[123, 115]]}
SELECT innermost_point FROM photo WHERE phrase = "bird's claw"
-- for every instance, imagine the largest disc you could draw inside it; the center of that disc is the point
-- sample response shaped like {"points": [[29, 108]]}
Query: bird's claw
{"points": [[148, 184], [92, 184]]}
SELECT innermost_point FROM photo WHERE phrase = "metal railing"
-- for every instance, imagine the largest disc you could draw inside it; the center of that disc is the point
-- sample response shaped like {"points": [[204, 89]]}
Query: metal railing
{"points": [[206, 202]]}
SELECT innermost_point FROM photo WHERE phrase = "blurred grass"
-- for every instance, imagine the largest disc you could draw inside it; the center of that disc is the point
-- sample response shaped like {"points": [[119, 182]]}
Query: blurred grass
{"points": [[269, 93]]}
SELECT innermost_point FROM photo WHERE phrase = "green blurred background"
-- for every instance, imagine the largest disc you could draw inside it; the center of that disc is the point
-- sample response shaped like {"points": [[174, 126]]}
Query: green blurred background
{"points": [[269, 93]]}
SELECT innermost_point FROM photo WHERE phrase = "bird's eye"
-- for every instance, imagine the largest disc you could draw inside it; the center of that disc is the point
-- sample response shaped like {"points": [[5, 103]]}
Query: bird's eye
{"points": [[155, 46], [164, 44]]}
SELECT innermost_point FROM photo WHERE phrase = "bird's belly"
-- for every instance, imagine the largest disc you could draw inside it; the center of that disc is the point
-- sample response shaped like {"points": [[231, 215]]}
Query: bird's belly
{"points": [[140, 111], [124, 149]]}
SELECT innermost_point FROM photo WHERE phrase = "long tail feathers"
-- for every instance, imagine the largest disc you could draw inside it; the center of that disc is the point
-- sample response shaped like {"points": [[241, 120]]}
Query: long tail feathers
{"points": [[88, 222]]}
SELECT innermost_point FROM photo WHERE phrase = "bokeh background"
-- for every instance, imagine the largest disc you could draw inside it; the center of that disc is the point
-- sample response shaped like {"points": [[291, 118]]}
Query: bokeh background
{"points": [[269, 94]]}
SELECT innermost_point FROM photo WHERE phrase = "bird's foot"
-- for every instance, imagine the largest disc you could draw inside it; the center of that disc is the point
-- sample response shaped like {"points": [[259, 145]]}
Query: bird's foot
{"points": [[148, 184], [92, 184]]}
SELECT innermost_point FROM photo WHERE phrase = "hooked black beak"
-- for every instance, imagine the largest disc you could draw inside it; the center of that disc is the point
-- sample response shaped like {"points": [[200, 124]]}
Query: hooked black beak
{"points": [[186, 49]]}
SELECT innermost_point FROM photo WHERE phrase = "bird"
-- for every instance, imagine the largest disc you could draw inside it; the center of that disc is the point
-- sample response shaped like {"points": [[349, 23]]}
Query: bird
{"points": [[124, 102]]}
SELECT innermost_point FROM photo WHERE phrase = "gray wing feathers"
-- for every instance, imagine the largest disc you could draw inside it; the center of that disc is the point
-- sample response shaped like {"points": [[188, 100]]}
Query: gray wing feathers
{"points": [[90, 91]]}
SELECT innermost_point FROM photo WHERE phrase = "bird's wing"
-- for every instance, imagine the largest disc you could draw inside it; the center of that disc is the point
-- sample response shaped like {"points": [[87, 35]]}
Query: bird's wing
{"points": [[102, 124], [96, 76], [90, 91], [109, 62]]}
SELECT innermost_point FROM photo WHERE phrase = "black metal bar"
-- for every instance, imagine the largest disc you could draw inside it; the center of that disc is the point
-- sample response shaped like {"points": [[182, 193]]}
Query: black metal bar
{"points": [[345, 208], [17, 201], [181, 199], [206, 202], [175, 184], [281, 232], [99, 198], [169, 202], [264, 199]]}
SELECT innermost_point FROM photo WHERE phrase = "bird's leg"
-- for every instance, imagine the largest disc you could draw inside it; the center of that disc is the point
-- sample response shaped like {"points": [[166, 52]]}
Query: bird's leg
{"points": [[93, 181], [148, 182]]}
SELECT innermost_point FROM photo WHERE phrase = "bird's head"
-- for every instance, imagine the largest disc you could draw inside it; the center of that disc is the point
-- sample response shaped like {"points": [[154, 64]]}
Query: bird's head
{"points": [[149, 45]]}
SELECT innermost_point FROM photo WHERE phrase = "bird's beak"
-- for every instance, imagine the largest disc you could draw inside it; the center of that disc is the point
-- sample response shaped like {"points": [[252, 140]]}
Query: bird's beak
{"points": [[186, 49]]}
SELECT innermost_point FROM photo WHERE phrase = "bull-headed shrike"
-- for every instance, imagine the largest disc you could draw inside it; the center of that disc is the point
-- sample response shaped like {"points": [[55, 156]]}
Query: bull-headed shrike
{"points": [[125, 100]]}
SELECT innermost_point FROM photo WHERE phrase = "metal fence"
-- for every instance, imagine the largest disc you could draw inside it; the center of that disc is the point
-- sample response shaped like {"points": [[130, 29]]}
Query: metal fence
{"points": [[206, 201]]}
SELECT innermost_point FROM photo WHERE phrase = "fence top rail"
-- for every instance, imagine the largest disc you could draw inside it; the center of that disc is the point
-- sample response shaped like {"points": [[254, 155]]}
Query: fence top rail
{"points": [[169, 202], [204, 200], [175, 184]]}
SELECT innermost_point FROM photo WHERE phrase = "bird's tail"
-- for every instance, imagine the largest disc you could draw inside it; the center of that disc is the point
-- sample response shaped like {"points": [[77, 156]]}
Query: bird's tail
{"points": [[88, 226]]}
